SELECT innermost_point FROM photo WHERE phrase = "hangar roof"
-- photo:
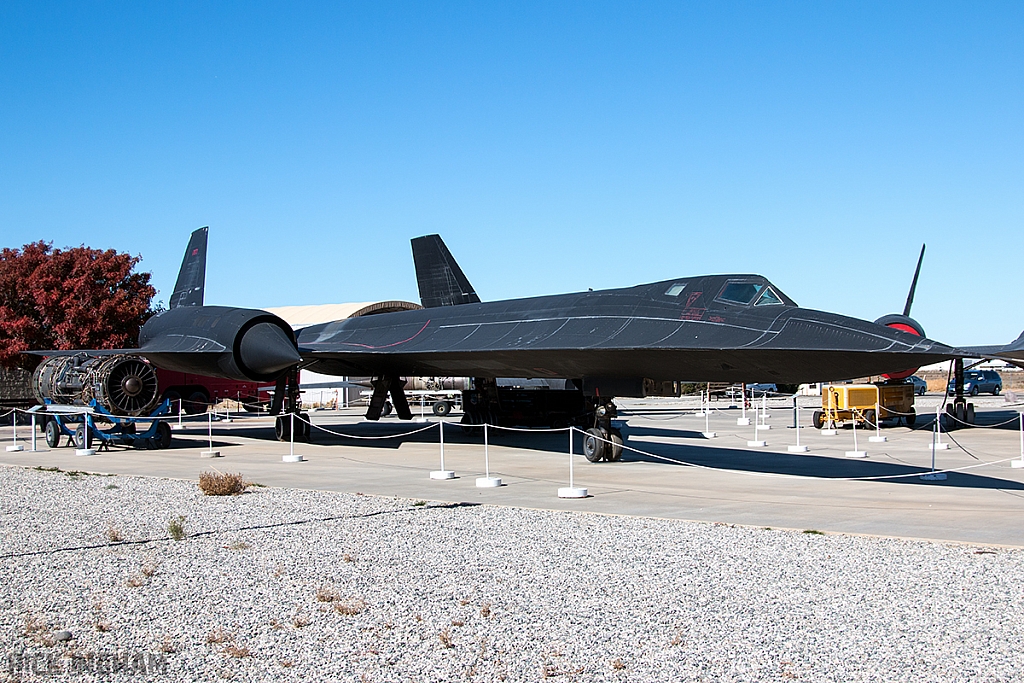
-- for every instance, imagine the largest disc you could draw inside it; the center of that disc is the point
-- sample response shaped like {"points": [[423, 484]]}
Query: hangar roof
{"points": [[304, 316]]}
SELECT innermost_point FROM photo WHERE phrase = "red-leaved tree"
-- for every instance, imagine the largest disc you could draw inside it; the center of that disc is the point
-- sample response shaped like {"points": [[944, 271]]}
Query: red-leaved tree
{"points": [[75, 298]]}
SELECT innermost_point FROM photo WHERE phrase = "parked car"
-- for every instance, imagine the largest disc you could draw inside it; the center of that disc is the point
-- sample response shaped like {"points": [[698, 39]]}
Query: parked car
{"points": [[758, 390], [920, 386], [977, 381]]}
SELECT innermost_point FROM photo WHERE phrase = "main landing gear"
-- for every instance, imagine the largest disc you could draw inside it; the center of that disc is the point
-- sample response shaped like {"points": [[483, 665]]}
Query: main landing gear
{"points": [[959, 413], [286, 396], [602, 441]]}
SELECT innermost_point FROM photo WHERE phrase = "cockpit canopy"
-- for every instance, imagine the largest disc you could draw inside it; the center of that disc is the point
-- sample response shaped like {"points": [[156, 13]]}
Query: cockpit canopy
{"points": [[737, 290]]}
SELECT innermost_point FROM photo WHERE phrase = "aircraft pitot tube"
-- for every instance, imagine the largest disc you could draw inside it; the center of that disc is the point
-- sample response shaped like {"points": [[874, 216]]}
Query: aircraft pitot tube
{"points": [[122, 384], [218, 341]]}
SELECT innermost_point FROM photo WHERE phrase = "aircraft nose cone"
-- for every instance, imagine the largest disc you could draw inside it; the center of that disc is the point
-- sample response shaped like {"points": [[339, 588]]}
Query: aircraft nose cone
{"points": [[266, 349]]}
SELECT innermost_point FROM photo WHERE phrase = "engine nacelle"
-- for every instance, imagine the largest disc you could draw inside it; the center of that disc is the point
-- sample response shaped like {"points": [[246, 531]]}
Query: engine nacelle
{"points": [[903, 323], [123, 385], [218, 341]]}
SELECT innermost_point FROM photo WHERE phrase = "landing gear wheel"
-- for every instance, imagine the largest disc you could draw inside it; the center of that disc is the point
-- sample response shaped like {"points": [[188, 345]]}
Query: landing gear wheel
{"points": [[614, 453], [869, 418], [163, 435], [818, 419], [303, 427], [442, 408], [910, 419], [386, 410], [282, 427], [594, 445], [52, 433], [970, 413]]}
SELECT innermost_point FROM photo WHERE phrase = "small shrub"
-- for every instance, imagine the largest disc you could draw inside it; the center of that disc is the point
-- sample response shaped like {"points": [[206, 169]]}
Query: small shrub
{"points": [[446, 639], [111, 486], [350, 607], [485, 609], [300, 620], [326, 594], [114, 534], [167, 645], [149, 569], [419, 503], [814, 532], [348, 558], [176, 528], [237, 651], [286, 663], [219, 635], [238, 545], [136, 581], [103, 626], [617, 664], [458, 622], [219, 484]]}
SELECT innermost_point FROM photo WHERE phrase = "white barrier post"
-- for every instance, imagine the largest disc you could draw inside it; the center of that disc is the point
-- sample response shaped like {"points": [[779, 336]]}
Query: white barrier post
{"points": [[291, 457], [487, 481], [1020, 463], [443, 473], [708, 434], [936, 445], [180, 407], [743, 420], [34, 432], [878, 438], [571, 491], [856, 452], [756, 443], [83, 448], [764, 411], [796, 416], [209, 453], [14, 421]]}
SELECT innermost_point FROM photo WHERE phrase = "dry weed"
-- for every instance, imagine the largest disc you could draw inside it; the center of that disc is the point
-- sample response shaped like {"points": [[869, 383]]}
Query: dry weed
{"points": [[114, 534], [446, 639], [350, 607], [219, 635], [300, 620], [237, 651], [325, 594], [220, 484]]}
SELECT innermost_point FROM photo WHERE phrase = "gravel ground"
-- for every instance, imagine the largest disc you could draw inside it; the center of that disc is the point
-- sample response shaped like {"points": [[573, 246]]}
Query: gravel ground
{"points": [[279, 584]]}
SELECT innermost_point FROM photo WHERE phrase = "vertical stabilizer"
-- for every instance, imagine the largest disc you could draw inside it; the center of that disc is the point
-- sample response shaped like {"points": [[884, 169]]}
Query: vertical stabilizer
{"points": [[441, 282], [188, 290]]}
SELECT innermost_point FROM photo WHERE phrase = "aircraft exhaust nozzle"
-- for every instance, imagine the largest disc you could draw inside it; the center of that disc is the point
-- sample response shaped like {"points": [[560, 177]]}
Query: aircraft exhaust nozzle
{"points": [[265, 349]]}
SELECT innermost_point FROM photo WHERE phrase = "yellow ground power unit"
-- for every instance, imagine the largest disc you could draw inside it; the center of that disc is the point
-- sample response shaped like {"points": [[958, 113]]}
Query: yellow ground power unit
{"points": [[841, 403]]}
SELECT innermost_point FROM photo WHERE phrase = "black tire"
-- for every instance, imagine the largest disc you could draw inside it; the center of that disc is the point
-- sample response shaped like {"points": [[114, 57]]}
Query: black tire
{"points": [[442, 408], [197, 403], [869, 418], [52, 433], [128, 428], [996, 390], [282, 427], [970, 414], [163, 435], [818, 419], [974, 391], [80, 437], [175, 400], [615, 447], [251, 404], [910, 419], [386, 410], [303, 427], [594, 445]]}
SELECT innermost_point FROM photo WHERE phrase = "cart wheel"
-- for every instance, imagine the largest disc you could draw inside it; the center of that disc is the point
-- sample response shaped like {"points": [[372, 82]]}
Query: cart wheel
{"points": [[163, 435], [79, 440], [52, 433], [818, 419], [386, 410], [128, 428], [869, 418], [442, 408]]}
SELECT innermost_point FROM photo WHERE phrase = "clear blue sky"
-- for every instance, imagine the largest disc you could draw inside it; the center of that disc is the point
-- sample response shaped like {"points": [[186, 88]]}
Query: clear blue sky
{"points": [[555, 146]]}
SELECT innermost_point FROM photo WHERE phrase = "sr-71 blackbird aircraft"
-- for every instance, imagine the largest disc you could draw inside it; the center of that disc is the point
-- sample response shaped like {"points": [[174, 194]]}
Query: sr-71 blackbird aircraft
{"points": [[611, 343]]}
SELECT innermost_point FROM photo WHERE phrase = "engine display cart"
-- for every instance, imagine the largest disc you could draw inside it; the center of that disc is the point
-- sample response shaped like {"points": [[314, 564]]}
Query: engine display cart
{"points": [[72, 421]]}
